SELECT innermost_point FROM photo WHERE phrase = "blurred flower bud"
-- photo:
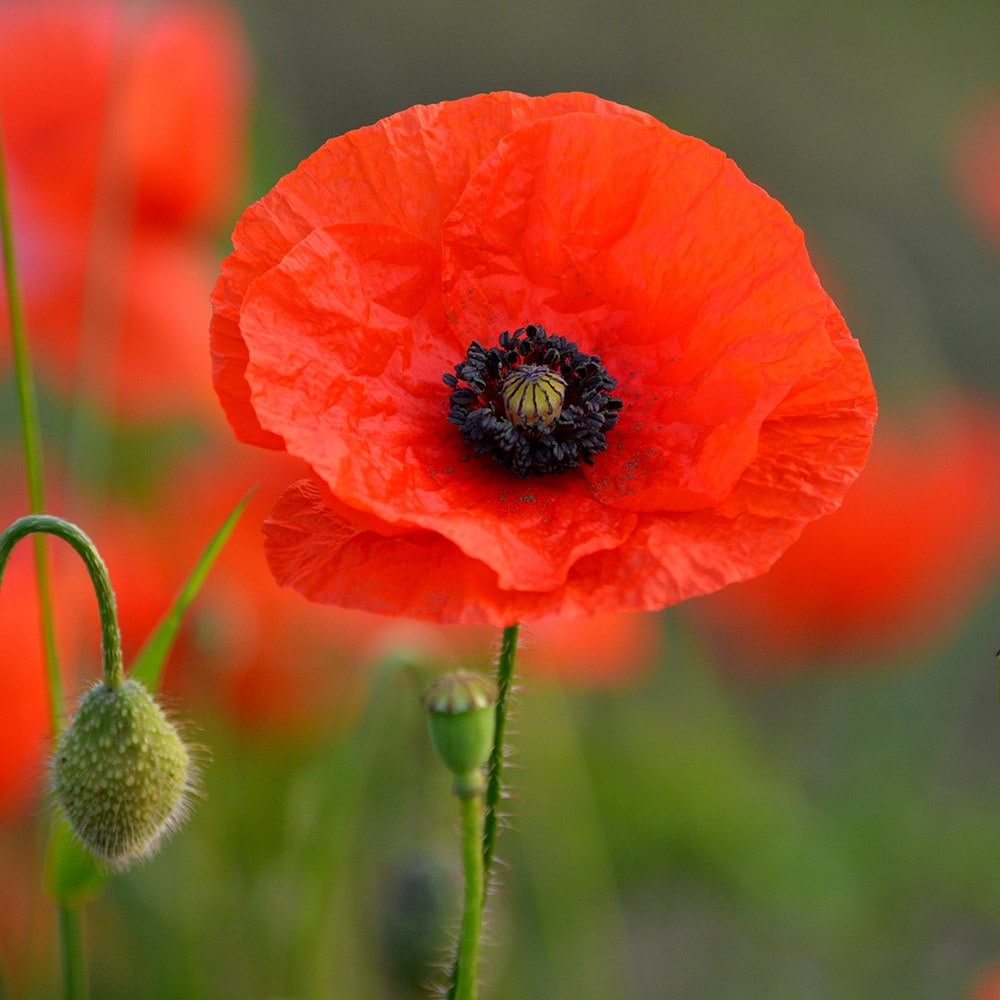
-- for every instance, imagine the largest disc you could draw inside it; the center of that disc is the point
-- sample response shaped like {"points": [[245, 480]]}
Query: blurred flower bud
{"points": [[122, 773], [415, 915], [462, 724]]}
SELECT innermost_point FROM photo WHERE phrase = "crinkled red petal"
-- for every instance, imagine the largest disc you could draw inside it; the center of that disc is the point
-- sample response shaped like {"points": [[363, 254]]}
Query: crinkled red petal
{"points": [[406, 171], [347, 347], [333, 555], [653, 251]]}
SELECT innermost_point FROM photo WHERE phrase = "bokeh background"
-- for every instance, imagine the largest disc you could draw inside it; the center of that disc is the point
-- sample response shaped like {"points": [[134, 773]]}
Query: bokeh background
{"points": [[788, 790]]}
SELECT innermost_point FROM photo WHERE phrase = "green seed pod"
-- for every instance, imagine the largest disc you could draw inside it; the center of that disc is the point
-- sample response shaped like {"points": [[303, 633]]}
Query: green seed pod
{"points": [[121, 773], [462, 724], [533, 396]]}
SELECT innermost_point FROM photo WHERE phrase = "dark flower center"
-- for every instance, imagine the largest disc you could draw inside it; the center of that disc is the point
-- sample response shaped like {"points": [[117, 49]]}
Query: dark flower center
{"points": [[534, 402]]}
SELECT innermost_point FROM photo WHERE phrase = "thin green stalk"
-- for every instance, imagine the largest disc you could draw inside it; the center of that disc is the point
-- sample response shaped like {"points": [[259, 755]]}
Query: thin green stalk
{"points": [[74, 987], [32, 438], [493, 797], [111, 639], [494, 789], [467, 965]]}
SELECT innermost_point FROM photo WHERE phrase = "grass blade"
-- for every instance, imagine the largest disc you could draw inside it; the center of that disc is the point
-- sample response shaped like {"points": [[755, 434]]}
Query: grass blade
{"points": [[148, 664]]}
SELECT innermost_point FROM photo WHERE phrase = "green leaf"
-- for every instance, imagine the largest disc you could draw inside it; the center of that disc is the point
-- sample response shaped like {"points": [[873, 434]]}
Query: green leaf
{"points": [[72, 874], [148, 665]]}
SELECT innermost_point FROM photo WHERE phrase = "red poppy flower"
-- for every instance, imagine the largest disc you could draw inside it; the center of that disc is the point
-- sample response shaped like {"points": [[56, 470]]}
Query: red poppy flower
{"points": [[900, 561], [123, 131], [543, 356]]}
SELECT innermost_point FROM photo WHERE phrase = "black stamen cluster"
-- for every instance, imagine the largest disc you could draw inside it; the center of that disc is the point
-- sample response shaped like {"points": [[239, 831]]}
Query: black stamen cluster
{"points": [[578, 434]]}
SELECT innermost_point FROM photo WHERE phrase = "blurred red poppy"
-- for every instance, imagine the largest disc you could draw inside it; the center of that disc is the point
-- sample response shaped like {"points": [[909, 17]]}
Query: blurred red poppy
{"points": [[155, 95], [123, 128], [987, 984], [608, 308], [898, 564], [143, 353], [977, 164], [26, 728], [263, 656], [604, 649]]}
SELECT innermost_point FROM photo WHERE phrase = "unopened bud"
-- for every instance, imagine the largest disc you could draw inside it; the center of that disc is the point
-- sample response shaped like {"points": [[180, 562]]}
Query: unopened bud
{"points": [[462, 724], [122, 773]]}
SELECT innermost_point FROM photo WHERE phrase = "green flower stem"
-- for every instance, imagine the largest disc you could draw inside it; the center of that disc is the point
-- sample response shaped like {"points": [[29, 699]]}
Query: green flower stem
{"points": [[72, 953], [111, 639], [494, 795], [494, 789], [31, 436], [467, 965]]}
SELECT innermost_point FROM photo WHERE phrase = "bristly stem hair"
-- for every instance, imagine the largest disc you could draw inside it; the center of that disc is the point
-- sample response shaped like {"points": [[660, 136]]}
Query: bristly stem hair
{"points": [[494, 789], [484, 827]]}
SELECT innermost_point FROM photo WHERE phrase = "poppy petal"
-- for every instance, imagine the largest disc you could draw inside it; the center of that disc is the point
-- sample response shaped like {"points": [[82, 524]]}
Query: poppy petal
{"points": [[407, 171], [657, 254], [346, 358]]}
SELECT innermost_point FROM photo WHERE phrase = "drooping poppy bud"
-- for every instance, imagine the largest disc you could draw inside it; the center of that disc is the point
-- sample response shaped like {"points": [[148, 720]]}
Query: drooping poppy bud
{"points": [[122, 773]]}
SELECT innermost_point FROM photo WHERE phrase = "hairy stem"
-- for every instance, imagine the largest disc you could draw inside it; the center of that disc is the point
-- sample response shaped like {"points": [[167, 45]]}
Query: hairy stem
{"points": [[111, 639], [494, 795], [494, 789], [467, 965]]}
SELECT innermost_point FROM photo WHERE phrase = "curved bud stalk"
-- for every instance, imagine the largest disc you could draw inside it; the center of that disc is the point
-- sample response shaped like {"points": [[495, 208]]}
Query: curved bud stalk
{"points": [[111, 637]]}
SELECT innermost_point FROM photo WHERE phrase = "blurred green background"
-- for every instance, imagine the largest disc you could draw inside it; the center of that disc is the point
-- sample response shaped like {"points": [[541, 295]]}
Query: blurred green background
{"points": [[830, 834]]}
